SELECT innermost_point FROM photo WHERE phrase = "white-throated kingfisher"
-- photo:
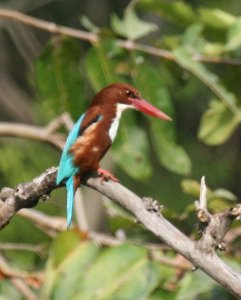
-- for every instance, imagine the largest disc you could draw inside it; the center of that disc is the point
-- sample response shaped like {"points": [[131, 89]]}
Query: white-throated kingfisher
{"points": [[93, 134]]}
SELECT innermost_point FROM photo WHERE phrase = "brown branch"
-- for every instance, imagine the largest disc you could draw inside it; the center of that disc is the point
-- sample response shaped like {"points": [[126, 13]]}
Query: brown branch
{"points": [[93, 38], [205, 258], [25, 195], [48, 26], [49, 225], [46, 134]]}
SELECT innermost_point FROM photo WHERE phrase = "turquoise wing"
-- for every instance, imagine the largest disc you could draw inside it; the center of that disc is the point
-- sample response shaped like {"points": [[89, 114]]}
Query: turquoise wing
{"points": [[66, 166]]}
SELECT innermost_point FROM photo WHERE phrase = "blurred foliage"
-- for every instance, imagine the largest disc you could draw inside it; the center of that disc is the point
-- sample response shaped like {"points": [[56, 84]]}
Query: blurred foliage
{"points": [[85, 271], [198, 86]]}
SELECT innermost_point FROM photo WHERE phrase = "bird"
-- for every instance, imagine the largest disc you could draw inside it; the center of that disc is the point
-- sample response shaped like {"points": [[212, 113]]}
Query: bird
{"points": [[93, 134]]}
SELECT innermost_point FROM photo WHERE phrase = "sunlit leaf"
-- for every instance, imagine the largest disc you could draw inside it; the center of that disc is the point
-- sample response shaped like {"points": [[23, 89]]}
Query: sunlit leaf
{"points": [[131, 26], [192, 37], [177, 11], [223, 194], [86, 22], [191, 187], [62, 280], [88, 272], [216, 18], [214, 49], [192, 289], [217, 124], [221, 199], [63, 246], [234, 36]]}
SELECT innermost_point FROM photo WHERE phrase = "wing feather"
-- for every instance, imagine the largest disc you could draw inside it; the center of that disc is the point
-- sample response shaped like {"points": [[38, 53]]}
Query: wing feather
{"points": [[66, 166]]}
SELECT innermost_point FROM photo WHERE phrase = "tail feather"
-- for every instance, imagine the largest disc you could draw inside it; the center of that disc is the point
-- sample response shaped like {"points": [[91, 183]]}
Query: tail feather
{"points": [[70, 199]]}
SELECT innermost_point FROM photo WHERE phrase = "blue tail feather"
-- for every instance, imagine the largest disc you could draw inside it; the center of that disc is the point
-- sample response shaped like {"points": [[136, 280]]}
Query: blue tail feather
{"points": [[67, 170], [70, 199]]}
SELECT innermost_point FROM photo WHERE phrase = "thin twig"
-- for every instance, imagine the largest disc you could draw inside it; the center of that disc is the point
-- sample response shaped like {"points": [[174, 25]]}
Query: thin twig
{"points": [[38, 249], [46, 134], [48, 26], [23, 289], [50, 225], [94, 38], [171, 262]]}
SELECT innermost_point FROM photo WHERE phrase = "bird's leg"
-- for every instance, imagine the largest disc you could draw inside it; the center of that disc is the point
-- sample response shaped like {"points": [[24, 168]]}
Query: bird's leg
{"points": [[106, 175]]}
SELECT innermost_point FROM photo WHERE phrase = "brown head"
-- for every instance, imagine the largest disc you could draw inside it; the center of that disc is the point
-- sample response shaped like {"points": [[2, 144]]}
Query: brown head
{"points": [[128, 97]]}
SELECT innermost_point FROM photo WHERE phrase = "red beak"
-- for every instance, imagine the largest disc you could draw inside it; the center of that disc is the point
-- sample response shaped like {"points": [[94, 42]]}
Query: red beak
{"points": [[145, 107]]}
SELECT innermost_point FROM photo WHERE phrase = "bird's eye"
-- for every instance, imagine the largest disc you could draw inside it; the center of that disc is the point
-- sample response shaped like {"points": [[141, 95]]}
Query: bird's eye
{"points": [[131, 94]]}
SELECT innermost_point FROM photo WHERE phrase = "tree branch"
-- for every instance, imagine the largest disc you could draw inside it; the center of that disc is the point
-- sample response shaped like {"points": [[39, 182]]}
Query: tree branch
{"points": [[214, 227], [205, 258], [46, 134], [94, 38]]}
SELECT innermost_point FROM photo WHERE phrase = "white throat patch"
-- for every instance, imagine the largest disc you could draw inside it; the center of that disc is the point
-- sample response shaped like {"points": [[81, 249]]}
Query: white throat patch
{"points": [[115, 124]]}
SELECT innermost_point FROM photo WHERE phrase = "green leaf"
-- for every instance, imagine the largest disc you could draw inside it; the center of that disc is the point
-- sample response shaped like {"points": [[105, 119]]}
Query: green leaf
{"points": [[223, 194], [108, 277], [177, 11], [191, 187], [86, 271], [214, 49], [64, 245], [131, 27], [216, 18], [101, 65], [192, 37], [87, 24], [184, 59], [140, 280], [220, 200], [217, 124], [234, 36], [172, 156], [73, 257], [58, 78], [190, 287]]}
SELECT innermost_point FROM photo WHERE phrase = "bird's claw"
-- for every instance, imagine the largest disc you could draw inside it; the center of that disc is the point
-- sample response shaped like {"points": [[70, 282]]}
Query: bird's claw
{"points": [[106, 175]]}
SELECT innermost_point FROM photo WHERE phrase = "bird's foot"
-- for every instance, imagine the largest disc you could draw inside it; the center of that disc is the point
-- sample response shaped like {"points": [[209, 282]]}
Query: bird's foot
{"points": [[106, 175]]}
